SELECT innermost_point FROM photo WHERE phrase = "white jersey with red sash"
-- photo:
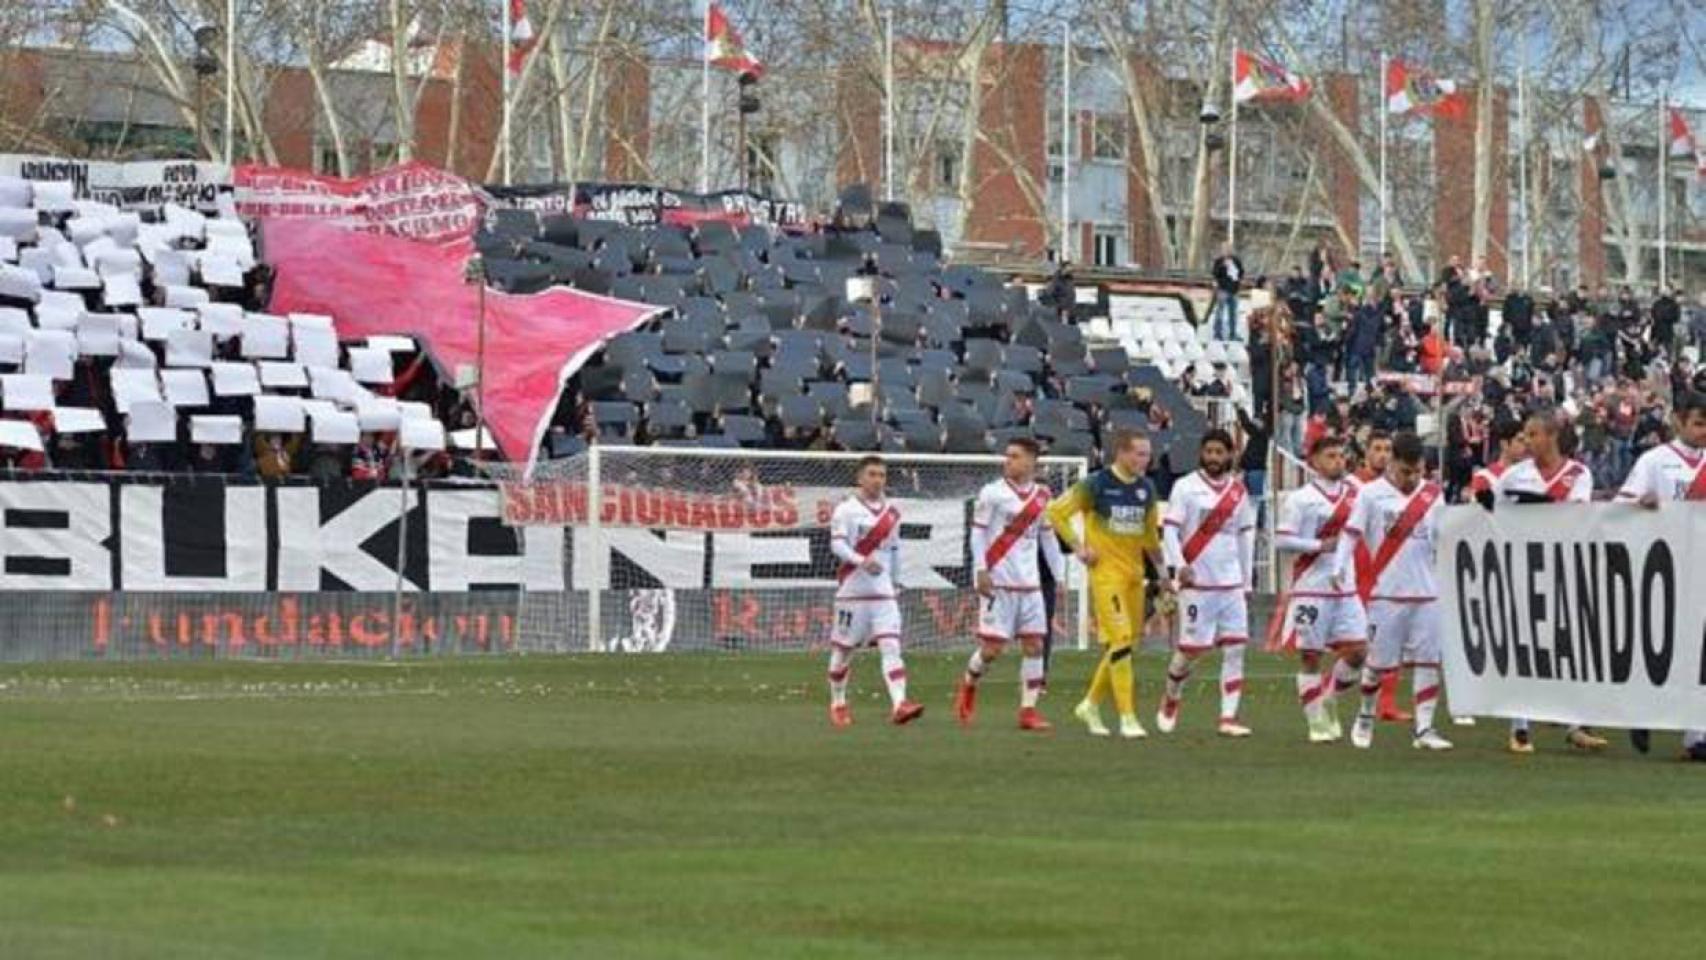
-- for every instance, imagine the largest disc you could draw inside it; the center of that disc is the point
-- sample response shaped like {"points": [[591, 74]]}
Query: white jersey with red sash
{"points": [[1204, 528], [1567, 482], [1669, 472], [1484, 478], [1313, 513], [1007, 528], [859, 531], [1401, 531]]}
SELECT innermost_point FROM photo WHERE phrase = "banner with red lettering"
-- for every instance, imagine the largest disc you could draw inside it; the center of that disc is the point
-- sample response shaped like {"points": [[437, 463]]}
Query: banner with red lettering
{"points": [[410, 200]]}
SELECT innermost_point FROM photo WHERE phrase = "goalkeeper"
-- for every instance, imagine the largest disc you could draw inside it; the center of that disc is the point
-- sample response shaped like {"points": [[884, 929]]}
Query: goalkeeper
{"points": [[1121, 526]]}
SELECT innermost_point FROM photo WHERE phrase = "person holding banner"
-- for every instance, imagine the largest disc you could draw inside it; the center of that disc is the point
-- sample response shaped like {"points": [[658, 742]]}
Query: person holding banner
{"points": [[1513, 449], [864, 534], [1208, 537], [1397, 519], [1008, 531], [1321, 617], [1120, 514], [1675, 471], [1547, 476]]}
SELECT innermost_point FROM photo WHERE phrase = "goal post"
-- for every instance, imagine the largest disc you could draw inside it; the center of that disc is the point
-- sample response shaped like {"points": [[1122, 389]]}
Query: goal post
{"points": [[669, 548]]}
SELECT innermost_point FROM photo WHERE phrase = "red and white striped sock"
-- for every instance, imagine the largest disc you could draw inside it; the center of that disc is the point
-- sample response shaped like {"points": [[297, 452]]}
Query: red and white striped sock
{"points": [[1370, 691], [1231, 679], [1343, 678], [840, 668], [1178, 671], [894, 668], [1310, 693], [974, 667], [1424, 680], [1030, 680]]}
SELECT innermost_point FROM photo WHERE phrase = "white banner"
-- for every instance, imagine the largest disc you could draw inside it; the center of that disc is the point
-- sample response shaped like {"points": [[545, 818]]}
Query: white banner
{"points": [[1589, 614], [144, 183]]}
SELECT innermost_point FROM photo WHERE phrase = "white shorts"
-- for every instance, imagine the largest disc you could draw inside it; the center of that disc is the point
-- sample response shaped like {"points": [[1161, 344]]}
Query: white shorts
{"points": [[861, 623], [1403, 633], [1321, 623], [1012, 614], [1213, 618]]}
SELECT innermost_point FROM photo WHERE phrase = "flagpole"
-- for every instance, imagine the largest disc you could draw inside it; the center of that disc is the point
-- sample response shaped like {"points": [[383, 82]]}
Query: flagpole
{"points": [[1664, 168], [1385, 108], [1065, 143], [1522, 165], [1232, 162], [507, 27], [705, 105], [230, 72], [888, 104]]}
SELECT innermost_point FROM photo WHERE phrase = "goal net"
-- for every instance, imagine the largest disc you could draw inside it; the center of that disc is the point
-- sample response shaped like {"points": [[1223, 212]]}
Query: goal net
{"points": [[728, 550]]}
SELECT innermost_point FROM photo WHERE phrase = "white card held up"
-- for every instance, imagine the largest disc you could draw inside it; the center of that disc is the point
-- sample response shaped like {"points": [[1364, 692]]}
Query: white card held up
{"points": [[278, 414], [235, 379], [51, 353], [133, 355], [14, 191], [466, 439], [8, 250], [421, 435], [378, 413], [266, 337], [223, 320], [11, 348], [370, 365], [391, 343], [17, 224], [122, 290], [19, 435], [14, 320], [315, 347], [78, 420], [311, 321], [336, 426], [189, 348], [224, 431], [414, 411], [151, 421], [184, 388], [334, 384], [282, 374], [221, 271], [133, 385], [25, 391], [158, 322], [19, 283], [56, 196], [184, 295], [75, 278]]}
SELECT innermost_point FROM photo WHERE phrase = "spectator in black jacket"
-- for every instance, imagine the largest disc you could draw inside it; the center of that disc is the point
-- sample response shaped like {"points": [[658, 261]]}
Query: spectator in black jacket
{"points": [[1666, 314], [1519, 317], [1228, 278]]}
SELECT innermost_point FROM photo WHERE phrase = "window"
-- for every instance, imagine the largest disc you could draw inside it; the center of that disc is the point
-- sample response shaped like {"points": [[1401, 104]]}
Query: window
{"points": [[1107, 132], [947, 165], [1108, 241]]}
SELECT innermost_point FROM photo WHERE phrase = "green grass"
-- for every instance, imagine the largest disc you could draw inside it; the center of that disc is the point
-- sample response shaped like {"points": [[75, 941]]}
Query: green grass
{"points": [[699, 806]]}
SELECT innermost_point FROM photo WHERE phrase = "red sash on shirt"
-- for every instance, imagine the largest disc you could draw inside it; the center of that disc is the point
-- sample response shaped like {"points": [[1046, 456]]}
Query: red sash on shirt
{"points": [[1334, 525], [1401, 530], [1228, 505], [1015, 528], [1558, 490], [1697, 489], [873, 538]]}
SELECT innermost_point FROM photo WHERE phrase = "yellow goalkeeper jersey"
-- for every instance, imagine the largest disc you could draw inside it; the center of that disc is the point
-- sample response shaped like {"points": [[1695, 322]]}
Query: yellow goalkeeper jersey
{"points": [[1122, 516]]}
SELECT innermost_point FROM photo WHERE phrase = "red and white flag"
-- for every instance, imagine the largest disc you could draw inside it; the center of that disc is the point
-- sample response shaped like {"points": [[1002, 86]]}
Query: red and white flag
{"points": [[1409, 90], [1256, 78], [723, 46], [1681, 138], [520, 35]]}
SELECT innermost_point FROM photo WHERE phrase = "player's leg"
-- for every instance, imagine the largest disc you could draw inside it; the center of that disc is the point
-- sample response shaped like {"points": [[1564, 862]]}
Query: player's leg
{"points": [[1030, 625], [1115, 628], [843, 640], [994, 627], [1303, 623], [1120, 673], [1422, 653], [1389, 711], [1196, 637], [885, 632], [1232, 636], [1346, 632], [1385, 638]]}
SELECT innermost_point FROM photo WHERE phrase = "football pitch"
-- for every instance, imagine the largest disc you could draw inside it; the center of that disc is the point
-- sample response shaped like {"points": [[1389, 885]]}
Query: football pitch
{"points": [[700, 806]]}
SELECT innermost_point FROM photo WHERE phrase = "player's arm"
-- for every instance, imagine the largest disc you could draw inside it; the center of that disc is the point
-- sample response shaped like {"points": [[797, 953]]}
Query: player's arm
{"points": [[841, 535], [1247, 547], [1053, 557], [1345, 553], [1172, 551], [1289, 536], [1639, 488], [1079, 499], [982, 512]]}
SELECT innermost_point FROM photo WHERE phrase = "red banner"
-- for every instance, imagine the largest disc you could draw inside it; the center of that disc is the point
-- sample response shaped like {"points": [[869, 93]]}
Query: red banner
{"points": [[411, 200], [376, 284]]}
